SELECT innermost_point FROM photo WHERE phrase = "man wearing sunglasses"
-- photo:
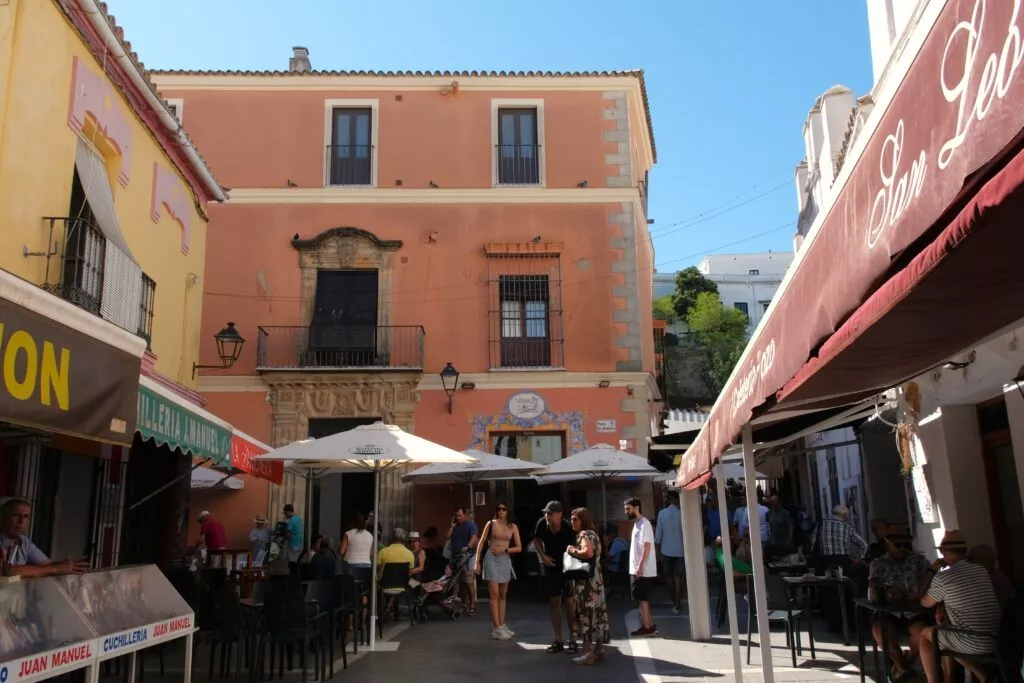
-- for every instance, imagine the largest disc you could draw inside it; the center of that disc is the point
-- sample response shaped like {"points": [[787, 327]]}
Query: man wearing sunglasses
{"points": [[900, 574]]}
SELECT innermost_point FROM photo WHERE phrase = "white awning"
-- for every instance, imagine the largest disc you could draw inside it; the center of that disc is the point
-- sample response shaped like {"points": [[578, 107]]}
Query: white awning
{"points": [[92, 171], [206, 478]]}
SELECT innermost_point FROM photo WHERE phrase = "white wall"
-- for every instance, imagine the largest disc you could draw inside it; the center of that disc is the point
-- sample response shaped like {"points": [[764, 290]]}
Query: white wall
{"points": [[888, 21], [850, 482]]}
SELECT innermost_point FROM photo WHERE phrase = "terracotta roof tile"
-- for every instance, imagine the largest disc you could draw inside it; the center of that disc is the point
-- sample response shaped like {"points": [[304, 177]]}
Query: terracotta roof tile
{"points": [[634, 73]]}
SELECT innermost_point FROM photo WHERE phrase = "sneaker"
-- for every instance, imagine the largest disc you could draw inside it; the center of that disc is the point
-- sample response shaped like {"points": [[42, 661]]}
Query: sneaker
{"points": [[556, 647], [507, 630], [644, 632]]}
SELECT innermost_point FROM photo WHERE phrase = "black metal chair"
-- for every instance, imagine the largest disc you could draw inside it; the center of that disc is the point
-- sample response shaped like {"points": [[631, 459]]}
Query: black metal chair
{"points": [[781, 609], [1004, 662], [328, 596], [393, 583], [288, 620], [220, 623]]}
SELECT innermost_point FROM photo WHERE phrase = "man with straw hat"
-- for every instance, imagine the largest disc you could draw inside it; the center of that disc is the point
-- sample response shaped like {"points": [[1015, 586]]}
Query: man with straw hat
{"points": [[899, 574], [259, 537], [968, 602]]}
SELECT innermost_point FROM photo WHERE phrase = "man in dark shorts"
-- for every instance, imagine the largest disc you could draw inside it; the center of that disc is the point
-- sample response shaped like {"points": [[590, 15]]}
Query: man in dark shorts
{"points": [[643, 566], [901, 574], [551, 537]]}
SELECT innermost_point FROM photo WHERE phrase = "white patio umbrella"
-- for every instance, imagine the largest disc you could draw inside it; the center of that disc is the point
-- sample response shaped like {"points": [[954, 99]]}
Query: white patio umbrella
{"points": [[372, 448], [487, 467], [601, 462]]}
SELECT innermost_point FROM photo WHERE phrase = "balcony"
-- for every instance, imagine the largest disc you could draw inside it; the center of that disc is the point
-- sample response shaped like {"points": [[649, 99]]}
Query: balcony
{"points": [[91, 272], [350, 165], [518, 164], [337, 347]]}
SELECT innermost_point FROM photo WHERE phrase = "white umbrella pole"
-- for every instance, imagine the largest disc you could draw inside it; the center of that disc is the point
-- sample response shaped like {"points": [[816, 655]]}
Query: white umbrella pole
{"points": [[472, 500], [373, 563]]}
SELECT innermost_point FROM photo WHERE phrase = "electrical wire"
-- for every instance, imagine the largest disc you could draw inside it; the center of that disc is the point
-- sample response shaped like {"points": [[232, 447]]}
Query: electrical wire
{"points": [[485, 295]]}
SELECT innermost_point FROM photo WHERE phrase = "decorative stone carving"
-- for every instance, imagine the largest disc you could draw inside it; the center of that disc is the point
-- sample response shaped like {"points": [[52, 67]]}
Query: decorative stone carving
{"points": [[339, 248]]}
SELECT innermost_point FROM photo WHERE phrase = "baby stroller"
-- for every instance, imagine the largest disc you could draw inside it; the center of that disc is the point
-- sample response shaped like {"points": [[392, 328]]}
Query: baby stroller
{"points": [[444, 591]]}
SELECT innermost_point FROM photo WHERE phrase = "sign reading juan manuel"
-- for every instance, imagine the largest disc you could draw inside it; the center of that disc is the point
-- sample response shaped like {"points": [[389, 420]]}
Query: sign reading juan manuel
{"points": [[60, 380]]}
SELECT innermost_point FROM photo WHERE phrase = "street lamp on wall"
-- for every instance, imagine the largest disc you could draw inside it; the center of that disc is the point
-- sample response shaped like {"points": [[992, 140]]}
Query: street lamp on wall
{"points": [[229, 348], [450, 382]]}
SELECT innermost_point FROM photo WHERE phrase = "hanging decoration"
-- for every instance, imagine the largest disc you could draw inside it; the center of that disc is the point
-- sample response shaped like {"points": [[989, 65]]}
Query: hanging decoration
{"points": [[906, 429]]}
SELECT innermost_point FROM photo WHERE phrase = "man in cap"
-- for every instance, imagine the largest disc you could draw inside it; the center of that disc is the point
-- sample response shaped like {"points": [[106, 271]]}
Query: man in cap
{"points": [[968, 603], [211, 532], [901, 574], [551, 537]]}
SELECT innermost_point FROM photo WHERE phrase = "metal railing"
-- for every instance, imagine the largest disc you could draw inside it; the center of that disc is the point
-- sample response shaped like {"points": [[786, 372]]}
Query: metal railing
{"points": [[518, 164], [524, 354], [338, 347], [81, 265], [349, 164], [93, 273]]}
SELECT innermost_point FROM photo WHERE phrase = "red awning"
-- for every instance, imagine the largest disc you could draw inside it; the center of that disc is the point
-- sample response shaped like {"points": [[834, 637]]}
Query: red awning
{"points": [[964, 286], [947, 131], [244, 448]]}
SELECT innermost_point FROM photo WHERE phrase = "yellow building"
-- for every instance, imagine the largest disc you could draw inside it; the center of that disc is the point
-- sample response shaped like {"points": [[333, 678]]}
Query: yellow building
{"points": [[103, 213]]}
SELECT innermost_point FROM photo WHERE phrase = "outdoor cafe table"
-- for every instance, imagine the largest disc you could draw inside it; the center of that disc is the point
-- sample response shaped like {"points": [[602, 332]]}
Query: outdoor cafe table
{"points": [[812, 581], [895, 607]]}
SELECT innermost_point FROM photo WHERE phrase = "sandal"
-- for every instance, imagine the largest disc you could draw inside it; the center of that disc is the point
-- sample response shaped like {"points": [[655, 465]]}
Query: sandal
{"points": [[555, 647]]}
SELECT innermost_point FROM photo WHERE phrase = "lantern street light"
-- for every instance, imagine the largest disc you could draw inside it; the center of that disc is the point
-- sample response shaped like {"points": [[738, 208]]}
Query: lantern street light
{"points": [[450, 382], [229, 348]]}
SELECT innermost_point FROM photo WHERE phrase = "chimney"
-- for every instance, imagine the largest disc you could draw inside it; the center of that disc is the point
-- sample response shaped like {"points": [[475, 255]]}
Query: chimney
{"points": [[299, 61]]}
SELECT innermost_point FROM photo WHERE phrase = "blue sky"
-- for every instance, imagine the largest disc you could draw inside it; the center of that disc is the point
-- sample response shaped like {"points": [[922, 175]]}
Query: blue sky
{"points": [[730, 83]]}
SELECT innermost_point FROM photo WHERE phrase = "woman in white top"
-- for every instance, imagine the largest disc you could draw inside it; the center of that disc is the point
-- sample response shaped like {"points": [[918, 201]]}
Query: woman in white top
{"points": [[357, 550]]}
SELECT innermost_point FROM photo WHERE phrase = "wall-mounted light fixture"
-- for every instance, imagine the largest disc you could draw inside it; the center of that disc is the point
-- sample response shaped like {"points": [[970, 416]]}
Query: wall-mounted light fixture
{"points": [[229, 348], [450, 382], [604, 384], [469, 385], [1019, 379], [954, 365]]}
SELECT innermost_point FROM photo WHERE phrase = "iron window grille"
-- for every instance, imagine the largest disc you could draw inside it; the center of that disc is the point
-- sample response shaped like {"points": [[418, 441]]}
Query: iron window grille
{"points": [[146, 304], [525, 312]]}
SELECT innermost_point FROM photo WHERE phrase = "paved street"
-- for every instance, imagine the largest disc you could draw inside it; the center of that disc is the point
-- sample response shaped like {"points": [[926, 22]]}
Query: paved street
{"points": [[444, 650]]}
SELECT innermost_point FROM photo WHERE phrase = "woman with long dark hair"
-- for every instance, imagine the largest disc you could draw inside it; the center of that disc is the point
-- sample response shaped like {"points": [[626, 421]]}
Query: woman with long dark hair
{"points": [[591, 609], [498, 542]]}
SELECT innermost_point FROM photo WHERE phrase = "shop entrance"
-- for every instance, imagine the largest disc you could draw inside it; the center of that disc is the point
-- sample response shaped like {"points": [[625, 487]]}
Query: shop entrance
{"points": [[1003, 486], [526, 498], [336, 497]]}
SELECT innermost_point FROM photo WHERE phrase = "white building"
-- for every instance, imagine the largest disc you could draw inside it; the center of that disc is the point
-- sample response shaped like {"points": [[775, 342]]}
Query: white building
{"points": [[746, 282]]}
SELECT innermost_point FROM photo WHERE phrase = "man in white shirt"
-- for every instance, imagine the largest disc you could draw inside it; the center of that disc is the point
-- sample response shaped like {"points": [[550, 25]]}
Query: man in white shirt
{"points": [[643, 566]]}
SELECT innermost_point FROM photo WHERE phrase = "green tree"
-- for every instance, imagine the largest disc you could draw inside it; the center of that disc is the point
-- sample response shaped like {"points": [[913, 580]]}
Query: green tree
{"points": [[720, 334], [690, 283], [664, 309]]}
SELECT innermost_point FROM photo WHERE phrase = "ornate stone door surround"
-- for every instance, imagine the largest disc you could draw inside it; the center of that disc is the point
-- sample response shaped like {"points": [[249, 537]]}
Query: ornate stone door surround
{"points": [[345, 249], [296, 397]]}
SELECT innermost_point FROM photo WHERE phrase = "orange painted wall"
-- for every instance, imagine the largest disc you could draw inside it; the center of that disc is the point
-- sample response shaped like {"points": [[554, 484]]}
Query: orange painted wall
{"points": [[236, 509], [279, 136], [441, 286], [434, 504]]}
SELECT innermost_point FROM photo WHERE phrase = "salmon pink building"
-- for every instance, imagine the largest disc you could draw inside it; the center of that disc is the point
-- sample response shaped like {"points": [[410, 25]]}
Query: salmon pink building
{"points": [[384, 225]]}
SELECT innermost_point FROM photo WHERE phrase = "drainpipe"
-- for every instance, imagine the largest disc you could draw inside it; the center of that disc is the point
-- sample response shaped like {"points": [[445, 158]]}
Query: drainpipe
{"points": [[99, 22]]}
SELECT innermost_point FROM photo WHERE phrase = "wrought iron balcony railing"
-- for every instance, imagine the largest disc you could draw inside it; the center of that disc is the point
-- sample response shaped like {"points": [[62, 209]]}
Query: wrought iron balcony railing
{"points": [[90, 271], [350, 165], [340, 347], [518, 164]]}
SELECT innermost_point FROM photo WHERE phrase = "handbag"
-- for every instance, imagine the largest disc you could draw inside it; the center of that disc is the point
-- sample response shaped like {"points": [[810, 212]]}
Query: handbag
{"points": [[575, 568]]}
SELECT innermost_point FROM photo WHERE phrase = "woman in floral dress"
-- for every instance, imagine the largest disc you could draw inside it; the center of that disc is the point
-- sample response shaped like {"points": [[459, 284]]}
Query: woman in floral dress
{"points": [[591, 609]]}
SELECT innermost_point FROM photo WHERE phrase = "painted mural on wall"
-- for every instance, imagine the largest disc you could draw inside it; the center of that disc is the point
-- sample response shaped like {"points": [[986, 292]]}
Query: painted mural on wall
{"points": [[526, 411]]}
